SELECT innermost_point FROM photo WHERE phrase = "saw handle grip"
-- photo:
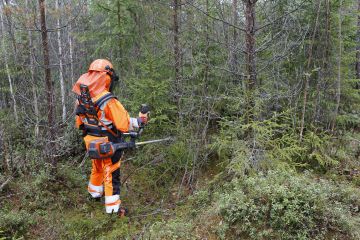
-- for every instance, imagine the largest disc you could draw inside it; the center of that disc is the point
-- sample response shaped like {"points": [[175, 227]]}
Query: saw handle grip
{"points": [[132, 134]]}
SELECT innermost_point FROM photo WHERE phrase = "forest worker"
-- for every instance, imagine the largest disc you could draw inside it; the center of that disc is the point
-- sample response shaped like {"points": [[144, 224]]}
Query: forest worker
{"points": [[100, 115]]}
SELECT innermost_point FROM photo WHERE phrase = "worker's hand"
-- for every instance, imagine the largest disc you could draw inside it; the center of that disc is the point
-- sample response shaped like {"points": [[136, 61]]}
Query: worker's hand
{"points": [[143, 118], [144, 115]]}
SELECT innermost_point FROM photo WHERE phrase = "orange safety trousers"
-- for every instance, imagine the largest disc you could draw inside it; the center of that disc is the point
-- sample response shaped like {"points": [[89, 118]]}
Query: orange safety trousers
{"points": [[105, 177]]}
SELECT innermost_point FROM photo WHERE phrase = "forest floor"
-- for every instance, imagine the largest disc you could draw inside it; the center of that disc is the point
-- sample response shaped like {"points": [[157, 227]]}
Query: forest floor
{"points": [[36, 208], [217, 206]]}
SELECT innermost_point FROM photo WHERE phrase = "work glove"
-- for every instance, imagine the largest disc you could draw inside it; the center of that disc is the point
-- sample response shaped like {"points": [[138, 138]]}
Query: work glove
{"points": [[143, 115]]}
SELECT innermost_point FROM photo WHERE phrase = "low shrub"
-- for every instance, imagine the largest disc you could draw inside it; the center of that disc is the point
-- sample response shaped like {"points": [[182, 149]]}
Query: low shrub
{"points": [[282, 205], [174, 229], [275, 205], [14, 224]]}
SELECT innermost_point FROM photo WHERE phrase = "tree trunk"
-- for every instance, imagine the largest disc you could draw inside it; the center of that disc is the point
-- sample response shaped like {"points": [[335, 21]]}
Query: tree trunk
{"points": [[307, 75], [177, 54], [48, 82], [61, 68], [71, 53], [318, 96], [10, 30], [338, 80], [358, 48], [250, 21], [207, 51], [34, 87], [3, 102], [118, 13], [7, 66], [234, 43], [324, 71]]}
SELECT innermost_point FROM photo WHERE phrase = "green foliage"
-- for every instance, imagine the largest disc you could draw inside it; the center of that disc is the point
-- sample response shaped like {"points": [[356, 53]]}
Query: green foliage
{"points": [[84, 227], [14, 223], [151, 87], [174, 229], [2, 237], [275, 205], [19, 149], [274, 143], [71, 144], [181, 154], [282, 205], [209, 122]]}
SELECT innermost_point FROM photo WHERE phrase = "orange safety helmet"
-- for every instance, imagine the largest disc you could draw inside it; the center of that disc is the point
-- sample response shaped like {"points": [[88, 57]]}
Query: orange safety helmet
{"points": [[101, 65], [97, 82], [101, 76]]}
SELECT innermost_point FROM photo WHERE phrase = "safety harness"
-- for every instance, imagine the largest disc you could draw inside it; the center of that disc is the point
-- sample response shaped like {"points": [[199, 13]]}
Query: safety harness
{"points": [[89, 110]]}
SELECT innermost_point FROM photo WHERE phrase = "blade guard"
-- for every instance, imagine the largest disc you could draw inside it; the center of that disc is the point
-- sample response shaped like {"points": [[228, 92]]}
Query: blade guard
{"points": [[100, 149]]}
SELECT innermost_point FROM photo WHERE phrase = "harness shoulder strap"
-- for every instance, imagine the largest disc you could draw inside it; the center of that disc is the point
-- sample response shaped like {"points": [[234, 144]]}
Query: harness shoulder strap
{"points": [[99, 103], [103, 99]]}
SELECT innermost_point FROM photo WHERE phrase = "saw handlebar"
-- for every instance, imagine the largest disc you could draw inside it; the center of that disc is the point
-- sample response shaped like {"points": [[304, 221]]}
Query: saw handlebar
{"points": [[100, 148], [133, 134], [131, 144]]}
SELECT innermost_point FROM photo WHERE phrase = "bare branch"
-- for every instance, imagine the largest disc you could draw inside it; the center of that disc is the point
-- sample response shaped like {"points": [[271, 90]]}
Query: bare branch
{"points": [[279, 18], [215, 18]]}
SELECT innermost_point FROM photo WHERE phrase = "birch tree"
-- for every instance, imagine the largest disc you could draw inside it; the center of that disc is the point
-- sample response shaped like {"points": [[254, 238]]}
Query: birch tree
{"points": [[338, 80], [177, 53], [32, 78], [8, 73], [61, 68]]}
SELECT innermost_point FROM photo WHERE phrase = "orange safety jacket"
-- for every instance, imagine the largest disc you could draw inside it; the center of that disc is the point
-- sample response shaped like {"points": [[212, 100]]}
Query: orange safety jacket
{"points": [[112, 114]]}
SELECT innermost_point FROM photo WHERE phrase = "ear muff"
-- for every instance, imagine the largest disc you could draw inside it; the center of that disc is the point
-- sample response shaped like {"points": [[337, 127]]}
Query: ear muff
{"points": [[112, 85], [114, 77]]}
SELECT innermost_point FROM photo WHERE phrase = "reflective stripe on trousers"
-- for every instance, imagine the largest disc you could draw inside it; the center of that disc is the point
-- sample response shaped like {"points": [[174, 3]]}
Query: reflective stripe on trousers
{"points": [[95, 191], [112, 203]]}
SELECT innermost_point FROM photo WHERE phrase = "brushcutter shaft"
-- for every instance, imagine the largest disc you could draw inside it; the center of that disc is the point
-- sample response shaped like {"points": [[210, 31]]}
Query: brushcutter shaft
{"points": [[132, 144], [153, 141]]}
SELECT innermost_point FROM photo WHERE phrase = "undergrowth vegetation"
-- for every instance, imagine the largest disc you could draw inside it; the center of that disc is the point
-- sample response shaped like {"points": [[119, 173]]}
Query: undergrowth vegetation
{"points": [[273, 188], [260, 99], [276, 144], [275, 205]]}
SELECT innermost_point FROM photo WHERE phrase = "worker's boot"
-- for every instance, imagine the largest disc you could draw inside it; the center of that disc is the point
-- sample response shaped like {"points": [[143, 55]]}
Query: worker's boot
{"points": [[95, 199], [123, 212]]}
